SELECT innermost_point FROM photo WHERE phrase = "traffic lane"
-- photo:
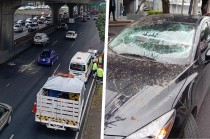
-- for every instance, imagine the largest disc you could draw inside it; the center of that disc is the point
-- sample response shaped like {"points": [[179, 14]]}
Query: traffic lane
{"points": [[30, 85], [203, 119], [25, 32]]}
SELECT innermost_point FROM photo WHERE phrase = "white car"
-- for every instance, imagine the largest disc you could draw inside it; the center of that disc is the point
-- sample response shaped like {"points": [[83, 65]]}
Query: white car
{"points": [[28, 23], [33, 27], [41, 39], [95, 17], [21, 22], [18, 28], [71, 35], [71, 20], [48, 22], [28, 19]]}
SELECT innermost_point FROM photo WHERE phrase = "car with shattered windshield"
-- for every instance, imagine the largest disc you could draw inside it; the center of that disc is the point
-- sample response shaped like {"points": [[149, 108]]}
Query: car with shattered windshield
{"points": [[158, 74]]}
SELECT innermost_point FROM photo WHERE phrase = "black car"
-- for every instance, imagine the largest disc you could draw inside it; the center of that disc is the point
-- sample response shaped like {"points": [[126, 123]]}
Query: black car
{"points": [[158, 74]]}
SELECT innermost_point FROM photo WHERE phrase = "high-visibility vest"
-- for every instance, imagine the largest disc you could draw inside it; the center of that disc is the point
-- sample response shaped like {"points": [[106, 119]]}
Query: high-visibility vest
{"points": [[100, 60], [95, 66], [100, 72]]}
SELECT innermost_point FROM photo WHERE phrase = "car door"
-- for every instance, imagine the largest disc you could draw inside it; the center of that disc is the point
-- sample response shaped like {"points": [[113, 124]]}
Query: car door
{"points": [[204, 39], [201, 83]]}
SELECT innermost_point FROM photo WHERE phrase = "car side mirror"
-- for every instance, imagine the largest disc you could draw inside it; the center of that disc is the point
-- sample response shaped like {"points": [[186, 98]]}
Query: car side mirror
{"points": [[207, 56]]}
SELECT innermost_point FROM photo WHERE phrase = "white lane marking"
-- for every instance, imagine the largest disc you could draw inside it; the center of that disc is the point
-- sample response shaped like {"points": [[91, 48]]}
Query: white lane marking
{"points": [[56, 68], [27, 66], [55, 42], [85, 106], [72, 44], [8, 85], [11, 137]]}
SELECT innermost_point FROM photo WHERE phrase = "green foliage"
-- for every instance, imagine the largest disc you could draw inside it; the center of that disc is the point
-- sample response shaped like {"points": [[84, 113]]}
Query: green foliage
{"points": [[100, 24], [151, 12]]}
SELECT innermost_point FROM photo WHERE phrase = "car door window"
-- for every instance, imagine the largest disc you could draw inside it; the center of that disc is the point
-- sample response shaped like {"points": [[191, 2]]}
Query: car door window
{"points": [[203, 42], [2, 112], [204, 36]]}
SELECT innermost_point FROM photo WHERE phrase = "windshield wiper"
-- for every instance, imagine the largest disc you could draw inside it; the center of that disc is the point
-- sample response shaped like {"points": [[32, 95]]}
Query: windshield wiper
{"points": [[138, 56]]}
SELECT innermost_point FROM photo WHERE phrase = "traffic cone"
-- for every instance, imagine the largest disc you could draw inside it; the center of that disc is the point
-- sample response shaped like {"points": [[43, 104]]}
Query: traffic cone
{"points": [[34, 108]]}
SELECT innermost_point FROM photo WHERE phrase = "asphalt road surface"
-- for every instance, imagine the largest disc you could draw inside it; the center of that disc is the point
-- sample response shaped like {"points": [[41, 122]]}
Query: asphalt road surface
{"points": [[25, 31], [21, 78]]}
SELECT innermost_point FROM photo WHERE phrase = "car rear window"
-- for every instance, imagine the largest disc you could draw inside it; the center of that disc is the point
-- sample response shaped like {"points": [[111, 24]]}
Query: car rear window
{"points": [[77, 67], [45, 54], [38, 37]]}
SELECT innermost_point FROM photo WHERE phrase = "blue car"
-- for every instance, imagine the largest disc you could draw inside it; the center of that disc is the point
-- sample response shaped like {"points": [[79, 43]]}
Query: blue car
{"points": [[47, 57]]}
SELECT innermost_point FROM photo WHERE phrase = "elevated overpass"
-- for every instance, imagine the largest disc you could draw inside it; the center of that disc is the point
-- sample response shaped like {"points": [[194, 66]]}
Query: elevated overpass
{"points": [[8, 8]]}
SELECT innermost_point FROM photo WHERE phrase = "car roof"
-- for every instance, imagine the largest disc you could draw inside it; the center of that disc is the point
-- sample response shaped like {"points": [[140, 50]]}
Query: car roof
{"points": [[192, 19], [47, 50], [80, 57], [41, 34], [71, 31]]}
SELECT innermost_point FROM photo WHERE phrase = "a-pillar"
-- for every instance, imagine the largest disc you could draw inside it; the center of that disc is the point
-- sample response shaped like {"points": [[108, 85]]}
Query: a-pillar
{"points": [[7, 11], [71, 10], [55, 7]]}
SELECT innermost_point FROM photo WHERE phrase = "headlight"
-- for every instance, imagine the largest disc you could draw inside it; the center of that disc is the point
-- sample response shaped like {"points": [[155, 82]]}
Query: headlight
{"points": [[158, 129]]}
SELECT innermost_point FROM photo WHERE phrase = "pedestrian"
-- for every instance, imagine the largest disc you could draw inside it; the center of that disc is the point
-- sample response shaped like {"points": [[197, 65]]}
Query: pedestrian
{"points": [[99, 73], [100, 59], [112, 7], [95, 67], [121, 10], [204, 7]]}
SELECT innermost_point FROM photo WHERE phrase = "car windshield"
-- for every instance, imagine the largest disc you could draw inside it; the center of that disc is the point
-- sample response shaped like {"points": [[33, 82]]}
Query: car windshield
{"points": [[17, 25], [70, 33], [45, 54], [38, 37], [77, 67], [48, 19], [167, 42]]}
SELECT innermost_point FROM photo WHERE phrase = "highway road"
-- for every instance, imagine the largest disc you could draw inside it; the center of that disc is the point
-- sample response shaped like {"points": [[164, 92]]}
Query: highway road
{"points": [[25, 32], [21, 78]]}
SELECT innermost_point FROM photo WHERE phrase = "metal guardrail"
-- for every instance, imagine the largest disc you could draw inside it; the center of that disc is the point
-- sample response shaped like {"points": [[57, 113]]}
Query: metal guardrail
{"points": [[86, 110]]}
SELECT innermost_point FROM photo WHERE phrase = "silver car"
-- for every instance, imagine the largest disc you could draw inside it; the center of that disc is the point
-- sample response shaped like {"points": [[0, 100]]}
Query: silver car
{"points": [[5, 115], [18, 28]]}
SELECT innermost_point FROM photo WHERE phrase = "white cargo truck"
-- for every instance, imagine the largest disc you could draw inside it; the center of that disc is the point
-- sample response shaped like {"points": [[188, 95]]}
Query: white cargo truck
{"points": [[60, 101]]}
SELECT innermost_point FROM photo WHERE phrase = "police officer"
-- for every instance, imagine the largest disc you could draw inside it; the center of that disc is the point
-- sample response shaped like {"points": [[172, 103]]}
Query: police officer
{"points": [[99, 73], [95, 67], [100, 59]]}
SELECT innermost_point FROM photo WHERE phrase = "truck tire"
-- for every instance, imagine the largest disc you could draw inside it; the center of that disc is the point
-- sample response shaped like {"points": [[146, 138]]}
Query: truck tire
{"points": [[191, 128]]}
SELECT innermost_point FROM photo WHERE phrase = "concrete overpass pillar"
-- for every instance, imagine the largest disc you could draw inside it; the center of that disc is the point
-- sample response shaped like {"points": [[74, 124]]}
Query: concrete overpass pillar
{"points": [[71, 10], [55, 12], [79, 9], [7, 10]]}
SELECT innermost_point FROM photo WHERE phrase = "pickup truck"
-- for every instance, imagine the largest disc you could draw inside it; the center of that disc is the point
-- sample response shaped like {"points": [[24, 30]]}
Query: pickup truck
{"points": [[59, 103]]}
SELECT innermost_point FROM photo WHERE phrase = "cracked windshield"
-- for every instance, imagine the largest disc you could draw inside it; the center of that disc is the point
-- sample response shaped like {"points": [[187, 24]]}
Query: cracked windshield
{"points": [[158, 40]]}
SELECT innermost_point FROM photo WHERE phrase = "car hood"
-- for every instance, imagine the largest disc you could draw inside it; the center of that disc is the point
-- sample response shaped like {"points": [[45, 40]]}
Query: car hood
{"points": [[137, 93]]}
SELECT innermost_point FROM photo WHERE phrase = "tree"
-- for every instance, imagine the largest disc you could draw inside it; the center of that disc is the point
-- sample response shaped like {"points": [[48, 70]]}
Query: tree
{"points": [[100, 24], [165, 5]]}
